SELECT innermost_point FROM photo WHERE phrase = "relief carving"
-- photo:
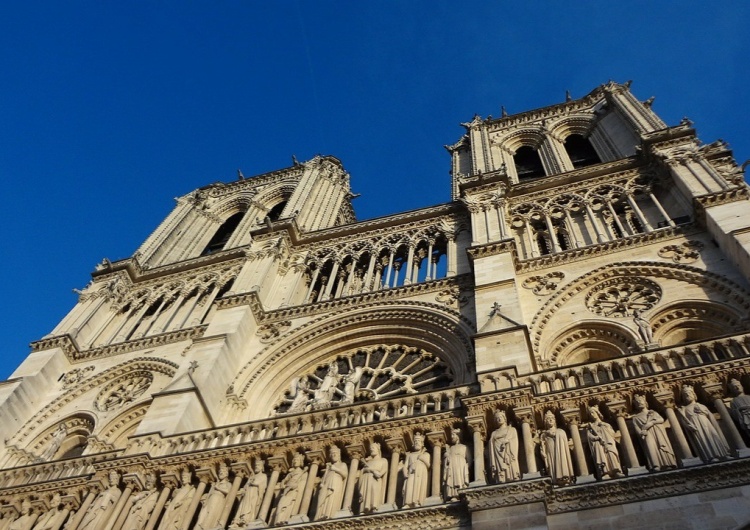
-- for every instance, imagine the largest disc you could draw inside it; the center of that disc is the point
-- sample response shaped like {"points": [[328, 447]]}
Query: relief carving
{"points": [[621, 297], [123, 391]]}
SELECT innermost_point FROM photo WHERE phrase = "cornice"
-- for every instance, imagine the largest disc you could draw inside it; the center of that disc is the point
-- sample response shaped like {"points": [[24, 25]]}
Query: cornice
{"points": [[138, 274], [702, 203], [74, 354]]}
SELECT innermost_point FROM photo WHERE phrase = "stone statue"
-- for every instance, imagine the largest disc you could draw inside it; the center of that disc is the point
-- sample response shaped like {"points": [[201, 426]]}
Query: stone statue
{"points": [[351, 385], [555, 450], [213, 501], [702, 429], [644, 327], [327, 389], [300, 395], [57, 439], [740, 407], [252, 497], [416, 473], [331, 491], [372, 481], [175, 512], [292, 488], [648, 425], [602, 442], [101, 508], [143, 505], [25, 520], [504, 451], [55, 517], [455, 467]]}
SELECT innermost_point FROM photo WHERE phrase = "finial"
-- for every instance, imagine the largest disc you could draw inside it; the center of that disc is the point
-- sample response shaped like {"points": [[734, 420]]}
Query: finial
{"points": [[567, 95], [295, 161], [649, 102], [240, 176], [503, 112]]}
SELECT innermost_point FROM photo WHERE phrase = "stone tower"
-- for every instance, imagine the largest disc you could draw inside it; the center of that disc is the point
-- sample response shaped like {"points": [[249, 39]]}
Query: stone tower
{"points": [[567, 340]]}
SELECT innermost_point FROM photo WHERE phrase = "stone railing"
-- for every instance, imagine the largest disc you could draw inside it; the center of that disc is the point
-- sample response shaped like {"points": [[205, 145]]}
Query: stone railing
{"points": [[41, 472]]}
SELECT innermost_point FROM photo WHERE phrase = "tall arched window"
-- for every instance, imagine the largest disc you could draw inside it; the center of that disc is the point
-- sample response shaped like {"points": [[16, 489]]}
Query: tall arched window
{"points": [[580, 151], [528, 164], [275, 213], [223, 234]]}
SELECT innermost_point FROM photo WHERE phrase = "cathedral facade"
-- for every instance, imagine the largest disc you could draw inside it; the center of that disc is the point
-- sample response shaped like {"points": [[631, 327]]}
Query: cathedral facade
{"points": [[565, 344]]}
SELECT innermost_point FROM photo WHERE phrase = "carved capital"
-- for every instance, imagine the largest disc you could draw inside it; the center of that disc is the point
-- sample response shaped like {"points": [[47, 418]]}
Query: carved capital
{"points": [[206, 474], [170, 479], [714, 389], [278, 463], [241, 469], [666, 398], [316, 456], [395, 445], [525, 414], [477, 424], [619, 407], [436, 438], [356, 451], [572, 415]]}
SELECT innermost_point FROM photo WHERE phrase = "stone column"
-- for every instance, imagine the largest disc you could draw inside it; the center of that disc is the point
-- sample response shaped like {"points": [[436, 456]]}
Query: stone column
{"points": [[316, 459], [526, 415], [600, 237], [619, 407], [278, 464], [204, 474], [552, 234], [573, 417], [666, 398], [659, 207], [119, 514], [638, 213], [396, 447], [479, 429], [437, 439], [170, 482], [76, 520], [241, 470], [715, 391], [355, 452]]}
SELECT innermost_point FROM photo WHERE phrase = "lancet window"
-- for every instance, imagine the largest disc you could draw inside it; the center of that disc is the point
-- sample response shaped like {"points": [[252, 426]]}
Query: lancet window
{"points": [[366, 268], [580, 151], [366, 374], [222, 235], [587, 217], [528, 163]]}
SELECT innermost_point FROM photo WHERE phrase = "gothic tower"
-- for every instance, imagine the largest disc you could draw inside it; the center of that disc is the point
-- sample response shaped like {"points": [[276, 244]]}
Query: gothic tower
{"points": [[567, 341]]}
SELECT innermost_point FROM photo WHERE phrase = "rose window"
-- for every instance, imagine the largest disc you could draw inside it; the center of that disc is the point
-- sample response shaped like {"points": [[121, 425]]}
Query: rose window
{"points": [[620, 297], [364, 375]]}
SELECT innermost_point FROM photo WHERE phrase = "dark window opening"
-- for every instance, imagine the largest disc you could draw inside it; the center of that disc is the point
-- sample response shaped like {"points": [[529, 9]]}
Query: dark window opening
{"points": [[541, 242], [275, 212], [223, 234], [528, 164], [580, 151], [562, 240]]}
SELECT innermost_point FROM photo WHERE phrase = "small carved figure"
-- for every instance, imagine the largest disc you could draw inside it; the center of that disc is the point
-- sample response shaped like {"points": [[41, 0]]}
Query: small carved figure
{"points": [[331, 492], [213, 501], [55, 517], [25, 520], [648, 424], [300, 394], [100, 510], [55, 442], [327, 389], [644, 327], [252, 497], [292, 488], [372, 482], [143, 505], [740, 407], [504, 451], [555, 450], [602, 442], [455, 467], [416, 472], [702, 429], [175, 512], [351, 385]]}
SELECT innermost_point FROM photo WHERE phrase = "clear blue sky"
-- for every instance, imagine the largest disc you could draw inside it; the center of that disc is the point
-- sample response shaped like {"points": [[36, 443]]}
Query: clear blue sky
{"points": [[108, 110]]}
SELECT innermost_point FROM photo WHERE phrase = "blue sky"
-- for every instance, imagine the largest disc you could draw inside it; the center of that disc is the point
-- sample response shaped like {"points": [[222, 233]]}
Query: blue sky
{"points": [[109, 110]]}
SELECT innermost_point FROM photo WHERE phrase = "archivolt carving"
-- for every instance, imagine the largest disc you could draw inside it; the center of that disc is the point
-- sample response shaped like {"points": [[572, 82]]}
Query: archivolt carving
{"points": [[365, 374], [708, 318], [116, 431], [272, 331], [75, 376], [152, 365], [733, 292], [430, 326], [544, 284], [593, 341]]}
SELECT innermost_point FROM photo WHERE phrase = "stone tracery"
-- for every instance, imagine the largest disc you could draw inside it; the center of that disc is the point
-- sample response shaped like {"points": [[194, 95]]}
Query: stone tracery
{"points": [[366, 374]]}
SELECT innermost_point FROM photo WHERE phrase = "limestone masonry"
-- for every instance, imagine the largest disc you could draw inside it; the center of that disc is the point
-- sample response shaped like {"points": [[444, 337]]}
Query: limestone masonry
{"points": [[566, 344]]}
